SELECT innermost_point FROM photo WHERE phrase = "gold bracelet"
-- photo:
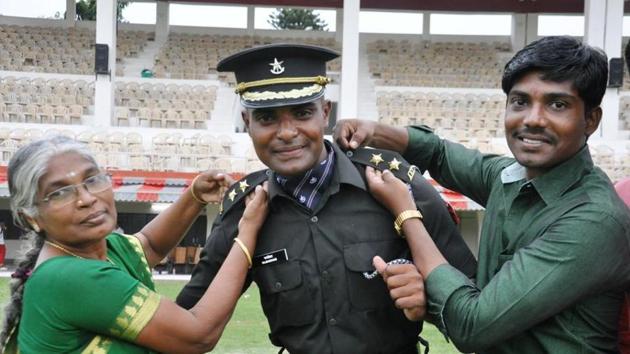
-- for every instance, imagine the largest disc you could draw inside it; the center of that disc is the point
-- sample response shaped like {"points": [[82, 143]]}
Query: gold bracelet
{"points": [[193, 193], [244, 249], [404, 216]]}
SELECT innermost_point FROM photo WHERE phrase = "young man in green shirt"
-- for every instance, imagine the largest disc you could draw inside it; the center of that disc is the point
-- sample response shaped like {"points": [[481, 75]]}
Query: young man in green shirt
{"points": [[555, 242]]}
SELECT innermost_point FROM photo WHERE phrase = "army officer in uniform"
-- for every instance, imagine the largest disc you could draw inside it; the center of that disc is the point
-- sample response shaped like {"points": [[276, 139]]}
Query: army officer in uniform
{"points": [[313, 262]]}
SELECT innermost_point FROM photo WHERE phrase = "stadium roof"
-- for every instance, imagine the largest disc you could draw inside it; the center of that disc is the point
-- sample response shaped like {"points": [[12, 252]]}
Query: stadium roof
{"points": [[519, 6]]}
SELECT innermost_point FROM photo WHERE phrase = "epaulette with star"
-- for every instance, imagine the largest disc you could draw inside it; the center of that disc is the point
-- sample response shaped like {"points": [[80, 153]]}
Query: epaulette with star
{"points": [[385, 160], [240, 189]]}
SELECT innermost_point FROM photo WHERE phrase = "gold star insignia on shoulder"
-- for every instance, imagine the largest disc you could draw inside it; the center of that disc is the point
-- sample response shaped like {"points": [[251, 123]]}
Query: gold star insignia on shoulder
{"points": [[232, 195], [376, 159], [394, 164], [242, 185]]}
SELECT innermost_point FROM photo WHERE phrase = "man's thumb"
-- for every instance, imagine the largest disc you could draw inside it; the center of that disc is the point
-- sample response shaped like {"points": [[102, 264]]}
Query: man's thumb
{"points": [[379, 264]]}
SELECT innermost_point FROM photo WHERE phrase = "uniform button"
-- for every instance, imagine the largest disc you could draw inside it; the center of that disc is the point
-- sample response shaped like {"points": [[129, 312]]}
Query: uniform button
{"points": [[332, 321], [314, 219], [325, 274], [268, 172], [349, 153], [278, 285]]}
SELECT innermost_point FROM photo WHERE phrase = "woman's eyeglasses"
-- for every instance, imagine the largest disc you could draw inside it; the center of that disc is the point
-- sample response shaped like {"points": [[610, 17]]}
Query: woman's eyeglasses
{"points": [[69, 194]]}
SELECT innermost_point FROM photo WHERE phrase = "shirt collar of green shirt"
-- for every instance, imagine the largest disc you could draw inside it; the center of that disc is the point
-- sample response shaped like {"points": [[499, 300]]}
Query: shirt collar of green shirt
{"points": [[551, 185]]}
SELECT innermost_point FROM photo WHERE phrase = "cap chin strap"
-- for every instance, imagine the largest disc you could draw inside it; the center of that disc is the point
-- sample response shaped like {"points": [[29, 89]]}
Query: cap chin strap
{"points": [[319, 80]]}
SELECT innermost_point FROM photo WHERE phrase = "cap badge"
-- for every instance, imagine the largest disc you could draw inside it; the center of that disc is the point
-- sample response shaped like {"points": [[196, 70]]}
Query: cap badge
{"points": [[276, 67]]}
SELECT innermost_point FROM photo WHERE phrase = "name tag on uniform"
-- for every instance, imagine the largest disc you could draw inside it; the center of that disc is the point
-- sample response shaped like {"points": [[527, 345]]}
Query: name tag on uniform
{"points": [[275, 257]]}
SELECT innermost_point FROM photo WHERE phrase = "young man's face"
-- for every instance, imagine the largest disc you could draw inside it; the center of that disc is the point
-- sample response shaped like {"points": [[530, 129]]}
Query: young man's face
{"points": [[546, 122], [289, 139]]}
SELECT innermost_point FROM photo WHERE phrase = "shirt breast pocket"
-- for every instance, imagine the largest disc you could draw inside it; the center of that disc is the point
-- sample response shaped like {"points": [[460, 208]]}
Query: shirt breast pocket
{"points": [[369, 294], [285, 298]]}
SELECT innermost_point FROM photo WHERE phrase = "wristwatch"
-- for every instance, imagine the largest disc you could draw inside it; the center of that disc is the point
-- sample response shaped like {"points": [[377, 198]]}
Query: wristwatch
{"points": [[404, 216]]}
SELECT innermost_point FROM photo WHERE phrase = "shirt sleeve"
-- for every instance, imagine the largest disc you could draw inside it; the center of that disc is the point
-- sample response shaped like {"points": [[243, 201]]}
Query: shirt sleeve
{"points": [[104, 299], [442, 228], [540, 280], [212, 256], [454, 166]]}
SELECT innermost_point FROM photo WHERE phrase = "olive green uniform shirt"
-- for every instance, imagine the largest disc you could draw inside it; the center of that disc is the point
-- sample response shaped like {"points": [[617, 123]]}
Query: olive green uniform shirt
{"points": [[554, 254]]}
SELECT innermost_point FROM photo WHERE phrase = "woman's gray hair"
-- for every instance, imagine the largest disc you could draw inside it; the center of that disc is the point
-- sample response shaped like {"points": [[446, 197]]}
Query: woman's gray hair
{"points": [[26, 168], [28, 165]]}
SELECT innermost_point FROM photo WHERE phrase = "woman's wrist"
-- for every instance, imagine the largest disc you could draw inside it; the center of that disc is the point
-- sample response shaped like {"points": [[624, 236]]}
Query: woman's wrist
{"points": [[194, 195]]}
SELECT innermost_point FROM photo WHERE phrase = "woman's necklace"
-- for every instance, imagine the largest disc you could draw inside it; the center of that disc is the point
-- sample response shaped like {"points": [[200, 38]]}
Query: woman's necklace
{"points": [[63, 249]]}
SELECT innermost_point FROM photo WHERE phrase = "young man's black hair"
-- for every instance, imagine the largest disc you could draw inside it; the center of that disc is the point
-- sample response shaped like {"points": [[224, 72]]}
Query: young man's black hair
{"points": [[562, 58]]}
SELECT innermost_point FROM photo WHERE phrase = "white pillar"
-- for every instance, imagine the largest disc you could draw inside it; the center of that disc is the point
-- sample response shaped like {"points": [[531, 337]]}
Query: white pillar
{"points": [[595, 22], [162, 18], [348, 98], [71, 13], [603, 29], [251, 19], [426, 25], [531, 33], [104, 85], [339, 25], [519, 31]]}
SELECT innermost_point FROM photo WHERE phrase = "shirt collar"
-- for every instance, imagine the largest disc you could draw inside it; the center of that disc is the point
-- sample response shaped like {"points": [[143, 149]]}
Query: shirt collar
{"points": [[344, 171], [555, 182], [347, 172], [308, 188]]}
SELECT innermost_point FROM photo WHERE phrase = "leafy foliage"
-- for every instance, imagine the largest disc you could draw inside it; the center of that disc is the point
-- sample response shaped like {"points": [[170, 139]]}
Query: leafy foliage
{"points": [[86, 10], [297, 19]]}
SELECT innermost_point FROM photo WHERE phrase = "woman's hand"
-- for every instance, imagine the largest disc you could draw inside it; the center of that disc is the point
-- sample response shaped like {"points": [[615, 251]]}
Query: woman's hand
{"points": [[393, 193], [210, 186], [256, 210]]}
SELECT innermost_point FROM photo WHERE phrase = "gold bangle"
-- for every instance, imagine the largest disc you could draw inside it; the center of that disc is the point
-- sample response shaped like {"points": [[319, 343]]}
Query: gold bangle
{"points": [[404, 216], [244, 249], [193, 193]]}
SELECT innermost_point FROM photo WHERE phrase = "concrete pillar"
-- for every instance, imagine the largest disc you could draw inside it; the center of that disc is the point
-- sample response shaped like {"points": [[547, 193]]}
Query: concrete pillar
{"points": [[603, 29], [105, 83], [162, 19], [426, 26], [71, 13], [251, 17], [348, 98], [519, 31], [339, 25], [531, 31], [595, 22]]}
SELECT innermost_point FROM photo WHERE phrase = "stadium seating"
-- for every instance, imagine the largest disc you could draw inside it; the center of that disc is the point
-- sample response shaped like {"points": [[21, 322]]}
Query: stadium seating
{"points": [[163, 106], [60, 49], [437, 64], [194, 56], [26, 100]]}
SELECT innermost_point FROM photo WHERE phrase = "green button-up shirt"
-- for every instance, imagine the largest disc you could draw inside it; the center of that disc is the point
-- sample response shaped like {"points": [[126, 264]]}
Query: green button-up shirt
{"points": [[554, 254]]}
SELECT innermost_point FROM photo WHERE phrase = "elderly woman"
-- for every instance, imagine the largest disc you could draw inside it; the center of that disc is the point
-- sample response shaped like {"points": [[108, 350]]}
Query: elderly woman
{"points": [[84, 289]]}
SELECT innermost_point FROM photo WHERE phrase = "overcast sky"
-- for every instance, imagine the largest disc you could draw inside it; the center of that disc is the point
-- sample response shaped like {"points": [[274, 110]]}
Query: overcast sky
{"points": [[236, 17]]}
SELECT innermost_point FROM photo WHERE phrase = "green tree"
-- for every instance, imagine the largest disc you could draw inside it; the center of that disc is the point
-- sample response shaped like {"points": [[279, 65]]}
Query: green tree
{"points": [[297, 19], [86, 10]]}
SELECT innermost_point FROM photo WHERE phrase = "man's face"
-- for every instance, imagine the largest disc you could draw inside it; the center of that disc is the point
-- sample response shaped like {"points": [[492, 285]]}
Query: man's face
{"points": [[289, 139], [546, 122]]}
